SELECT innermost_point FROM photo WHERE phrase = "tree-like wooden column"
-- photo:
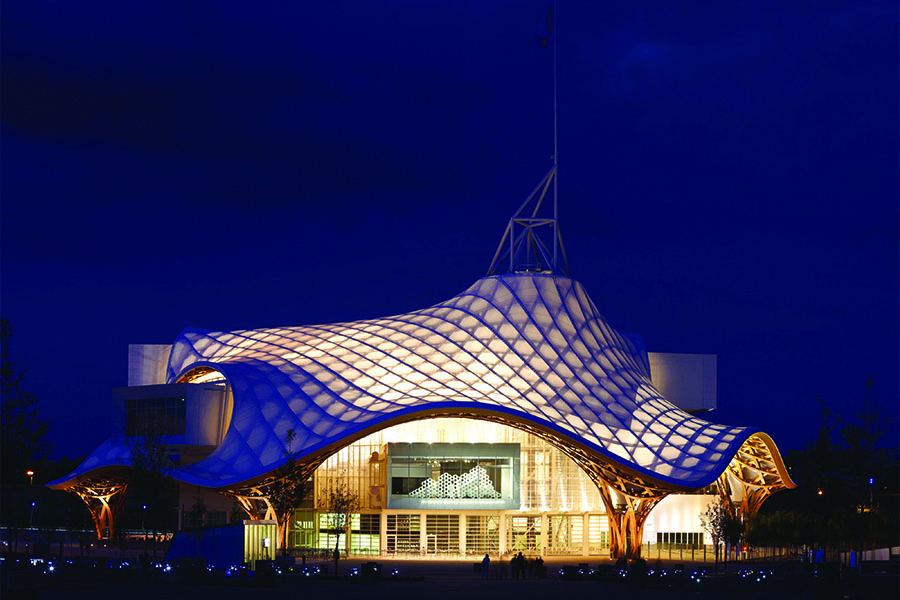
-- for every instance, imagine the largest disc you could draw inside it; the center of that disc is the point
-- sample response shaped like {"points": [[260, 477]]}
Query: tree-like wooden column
{"points": [[626, 522], [254, 506], [629, 498], [104, 500]]}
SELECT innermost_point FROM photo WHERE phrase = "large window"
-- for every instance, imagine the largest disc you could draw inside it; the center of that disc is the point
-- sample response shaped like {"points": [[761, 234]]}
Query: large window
{"points": [[328, 536], [482, 534], [598, 532], [364, 537], [565, 534], [442, 534], [460, 476], [403, 534], [523, 534], [163, 416], [303, 531]]}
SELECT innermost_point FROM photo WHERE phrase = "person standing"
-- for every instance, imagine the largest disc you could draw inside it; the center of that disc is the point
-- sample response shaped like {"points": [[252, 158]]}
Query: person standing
{"points": [[486, 567]]}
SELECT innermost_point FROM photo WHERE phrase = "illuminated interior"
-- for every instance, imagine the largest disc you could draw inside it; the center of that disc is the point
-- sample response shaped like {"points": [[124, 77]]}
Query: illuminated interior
{"points": [[549, 480], [202, 375]]}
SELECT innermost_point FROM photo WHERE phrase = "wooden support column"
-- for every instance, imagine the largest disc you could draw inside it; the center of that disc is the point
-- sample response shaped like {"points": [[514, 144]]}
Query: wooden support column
{"points": [[752, 500], [105, 505], [626, 522]]}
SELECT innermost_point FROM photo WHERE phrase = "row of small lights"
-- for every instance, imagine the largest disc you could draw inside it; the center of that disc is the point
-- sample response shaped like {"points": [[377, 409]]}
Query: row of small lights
{"points": [[355, 571], [311, 571], [695, 576]]}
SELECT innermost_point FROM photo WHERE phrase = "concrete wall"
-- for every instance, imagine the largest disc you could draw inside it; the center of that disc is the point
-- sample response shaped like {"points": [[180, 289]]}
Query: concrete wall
{"points": [[686, 380], [676, 513]]}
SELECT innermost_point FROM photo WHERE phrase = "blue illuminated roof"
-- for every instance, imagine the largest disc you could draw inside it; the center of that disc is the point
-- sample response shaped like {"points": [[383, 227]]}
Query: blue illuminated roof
{"points": [[530, 348]]}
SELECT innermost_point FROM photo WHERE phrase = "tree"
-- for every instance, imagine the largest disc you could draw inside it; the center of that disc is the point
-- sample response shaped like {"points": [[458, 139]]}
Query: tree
{"points": [[734, 530], [23, 434], [859, 440], [151, 470], [196, 522], [717, 522], [288, 491], [847, 485], [339, 504], [236, 513]]}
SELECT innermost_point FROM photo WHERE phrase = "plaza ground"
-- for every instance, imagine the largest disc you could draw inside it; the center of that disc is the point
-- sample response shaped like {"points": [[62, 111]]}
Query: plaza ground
{"points": [[442, 580]]}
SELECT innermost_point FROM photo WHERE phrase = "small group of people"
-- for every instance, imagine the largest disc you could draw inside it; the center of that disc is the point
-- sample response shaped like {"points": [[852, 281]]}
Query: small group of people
{"points": [[518, 566]]}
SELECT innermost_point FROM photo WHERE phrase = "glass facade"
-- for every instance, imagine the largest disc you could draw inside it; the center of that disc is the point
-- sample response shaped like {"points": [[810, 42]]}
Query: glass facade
{"points": [[558, 511], [457, 487], [259, 541], [454, 487], [548, 480]]}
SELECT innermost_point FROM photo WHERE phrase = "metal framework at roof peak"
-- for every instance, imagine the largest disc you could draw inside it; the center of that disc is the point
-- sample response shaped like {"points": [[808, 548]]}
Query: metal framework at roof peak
{"points": [[532, 243]]}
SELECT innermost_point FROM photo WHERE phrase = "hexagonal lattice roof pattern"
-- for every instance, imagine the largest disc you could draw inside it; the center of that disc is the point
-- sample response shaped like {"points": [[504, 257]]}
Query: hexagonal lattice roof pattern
{"points": [[532, 347]]}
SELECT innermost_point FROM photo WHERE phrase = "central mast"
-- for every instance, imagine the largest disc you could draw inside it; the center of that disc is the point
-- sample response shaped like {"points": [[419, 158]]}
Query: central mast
{"points": [[555, 142], [525, 241]]}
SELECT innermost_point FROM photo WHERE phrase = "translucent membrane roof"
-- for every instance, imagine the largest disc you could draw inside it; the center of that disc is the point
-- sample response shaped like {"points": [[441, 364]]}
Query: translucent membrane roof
{"points": [[527, 349]]}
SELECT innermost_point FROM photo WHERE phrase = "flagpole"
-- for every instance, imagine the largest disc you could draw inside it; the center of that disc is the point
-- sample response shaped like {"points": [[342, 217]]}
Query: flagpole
{"points": [[553, 17]]}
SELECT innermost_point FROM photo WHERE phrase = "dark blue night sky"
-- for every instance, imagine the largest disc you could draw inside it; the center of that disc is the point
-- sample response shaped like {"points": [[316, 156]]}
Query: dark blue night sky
{"points": [[728, 180]]}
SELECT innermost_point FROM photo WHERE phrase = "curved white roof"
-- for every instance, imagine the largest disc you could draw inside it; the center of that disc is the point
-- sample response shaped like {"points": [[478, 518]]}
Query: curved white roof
{"points": [[531, 347]]}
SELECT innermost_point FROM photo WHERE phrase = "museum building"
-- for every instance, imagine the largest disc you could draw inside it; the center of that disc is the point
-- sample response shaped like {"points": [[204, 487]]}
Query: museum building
{"points": [[511, 417]]}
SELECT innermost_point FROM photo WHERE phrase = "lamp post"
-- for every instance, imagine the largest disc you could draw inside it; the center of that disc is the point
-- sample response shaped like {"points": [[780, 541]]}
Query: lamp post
{"points": [[144, 526], [30, 475]]}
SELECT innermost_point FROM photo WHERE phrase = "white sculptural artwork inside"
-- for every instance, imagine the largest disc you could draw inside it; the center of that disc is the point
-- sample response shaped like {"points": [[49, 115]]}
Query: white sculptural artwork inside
{"points": [[473, 484]]}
